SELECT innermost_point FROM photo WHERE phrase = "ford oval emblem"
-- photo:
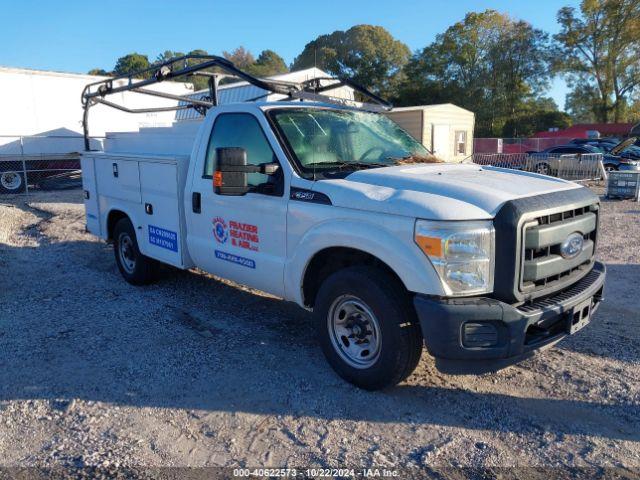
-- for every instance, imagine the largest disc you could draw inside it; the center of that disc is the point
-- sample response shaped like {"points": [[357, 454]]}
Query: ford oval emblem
{"points": [[572, 245]]}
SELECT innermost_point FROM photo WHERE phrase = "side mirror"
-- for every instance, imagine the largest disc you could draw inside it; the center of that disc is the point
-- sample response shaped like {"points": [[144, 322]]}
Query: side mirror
{"points": [[230, 177]]}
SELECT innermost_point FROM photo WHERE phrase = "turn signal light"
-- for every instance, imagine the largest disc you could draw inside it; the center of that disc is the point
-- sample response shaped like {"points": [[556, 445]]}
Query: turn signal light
{"points": [[217, 179], [432, 246]]}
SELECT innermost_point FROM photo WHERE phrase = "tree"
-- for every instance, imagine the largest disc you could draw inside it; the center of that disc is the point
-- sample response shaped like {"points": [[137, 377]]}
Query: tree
{"points": [[241, 57], [488, 63], [98, 72], [130, 63], [535, 116], [168, 55], [582, 103], [599, 47], [199, 82], [268, 63], [367, 54]]}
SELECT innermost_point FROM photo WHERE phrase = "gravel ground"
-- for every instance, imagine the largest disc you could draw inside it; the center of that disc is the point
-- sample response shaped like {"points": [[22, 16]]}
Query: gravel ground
{"points": [[195, 371]]}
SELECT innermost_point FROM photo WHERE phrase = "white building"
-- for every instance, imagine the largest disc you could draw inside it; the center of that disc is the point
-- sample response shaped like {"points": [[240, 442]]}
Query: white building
{"points": [[41, 111], [445, 129]]}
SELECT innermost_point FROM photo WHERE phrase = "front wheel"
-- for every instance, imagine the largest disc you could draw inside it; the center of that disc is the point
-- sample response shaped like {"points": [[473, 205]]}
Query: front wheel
{"points": [[12, 182], [543, 168], [367, 327], [133, 265], [609, 167]]}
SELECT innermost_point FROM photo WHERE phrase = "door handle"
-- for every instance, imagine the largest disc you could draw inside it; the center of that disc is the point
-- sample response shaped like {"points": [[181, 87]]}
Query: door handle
{"points": [[196, 202]]}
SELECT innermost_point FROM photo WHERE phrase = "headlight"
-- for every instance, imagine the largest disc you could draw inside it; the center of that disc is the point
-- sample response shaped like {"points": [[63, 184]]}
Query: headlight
{"points": [[461, 252]]}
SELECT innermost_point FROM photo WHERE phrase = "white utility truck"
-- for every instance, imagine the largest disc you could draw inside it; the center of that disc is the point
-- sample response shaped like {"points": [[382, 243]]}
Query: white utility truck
{"points": [[336, 208]]}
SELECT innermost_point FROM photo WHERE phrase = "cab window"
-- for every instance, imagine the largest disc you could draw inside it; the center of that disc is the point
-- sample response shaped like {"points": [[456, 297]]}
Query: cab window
{"points": [[243, 130]]}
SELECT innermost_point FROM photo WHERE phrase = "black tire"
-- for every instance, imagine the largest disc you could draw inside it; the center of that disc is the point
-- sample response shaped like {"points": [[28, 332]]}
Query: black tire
{"points": [[610, 167], [543, 168], [133, 265], [401, 339], [12, 182]]}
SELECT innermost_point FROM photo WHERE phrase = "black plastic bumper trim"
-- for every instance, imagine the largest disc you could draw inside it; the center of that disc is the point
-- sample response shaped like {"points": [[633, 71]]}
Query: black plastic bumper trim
{"points": [[442, 322]]}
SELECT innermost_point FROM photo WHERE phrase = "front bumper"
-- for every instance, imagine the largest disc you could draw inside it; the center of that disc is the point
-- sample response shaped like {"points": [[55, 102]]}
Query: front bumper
{"points": [[478, 335]]}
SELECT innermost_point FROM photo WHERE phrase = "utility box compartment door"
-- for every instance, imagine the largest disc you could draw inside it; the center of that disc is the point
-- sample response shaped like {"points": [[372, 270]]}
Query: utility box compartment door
{"points": [[118, 178], [161, 218], [90, 192]]}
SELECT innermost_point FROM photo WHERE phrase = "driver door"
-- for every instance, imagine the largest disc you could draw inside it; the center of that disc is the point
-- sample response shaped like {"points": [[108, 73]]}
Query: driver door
{"points": [[241, 238]]}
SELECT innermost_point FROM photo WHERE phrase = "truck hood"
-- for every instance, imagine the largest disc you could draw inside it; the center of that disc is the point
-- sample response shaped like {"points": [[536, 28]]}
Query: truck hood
{"points": [[437, 191]]}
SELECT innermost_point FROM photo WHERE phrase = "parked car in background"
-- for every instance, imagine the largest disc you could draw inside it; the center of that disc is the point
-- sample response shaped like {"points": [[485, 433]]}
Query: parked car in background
{"points": [[36, 167], [550, 158], [625, 149], [628, 148], [595, 141]]}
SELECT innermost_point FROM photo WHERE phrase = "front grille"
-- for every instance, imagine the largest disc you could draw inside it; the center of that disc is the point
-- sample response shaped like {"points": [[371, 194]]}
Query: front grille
{"points": [[543, 267], [566, 295]]}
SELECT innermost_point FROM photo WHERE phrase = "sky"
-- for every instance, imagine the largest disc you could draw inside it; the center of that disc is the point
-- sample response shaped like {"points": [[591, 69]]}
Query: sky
{"points": [[76, 36]]}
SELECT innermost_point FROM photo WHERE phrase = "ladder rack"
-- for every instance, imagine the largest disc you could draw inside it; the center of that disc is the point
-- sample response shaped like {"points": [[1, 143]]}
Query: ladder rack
{"points": [[96, 92]]}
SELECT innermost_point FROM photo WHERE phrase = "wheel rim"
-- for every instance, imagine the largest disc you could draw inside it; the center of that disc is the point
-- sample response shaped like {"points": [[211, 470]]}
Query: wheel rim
{"points": [[11, 180], [354, 331], [126, 252], [609, 168], [543, 169]]}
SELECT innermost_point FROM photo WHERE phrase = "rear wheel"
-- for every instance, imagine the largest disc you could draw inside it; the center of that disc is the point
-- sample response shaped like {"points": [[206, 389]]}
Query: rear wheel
{"points": [[133, 265], [12, 182], [610, 167], [367, 327]]}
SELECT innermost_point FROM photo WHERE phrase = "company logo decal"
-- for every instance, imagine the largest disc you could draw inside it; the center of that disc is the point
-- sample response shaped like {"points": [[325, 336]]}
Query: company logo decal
{"points": [[229, 257], [163, 238], [572, 246], [220, 230], [242, 235]]}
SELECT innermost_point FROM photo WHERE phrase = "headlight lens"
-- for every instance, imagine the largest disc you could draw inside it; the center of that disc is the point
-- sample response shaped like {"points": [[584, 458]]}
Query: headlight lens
{"points": [[461, 252]]}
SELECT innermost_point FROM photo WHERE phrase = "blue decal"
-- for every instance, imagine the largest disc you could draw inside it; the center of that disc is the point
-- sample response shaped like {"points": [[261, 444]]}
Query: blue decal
{"points": [[229, 257], [220, 230], [163, 238]]}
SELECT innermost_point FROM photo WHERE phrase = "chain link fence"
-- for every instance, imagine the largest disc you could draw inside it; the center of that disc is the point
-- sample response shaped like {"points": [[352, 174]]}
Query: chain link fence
{"points": [[46, 162], [40, 162], [568, 167]]}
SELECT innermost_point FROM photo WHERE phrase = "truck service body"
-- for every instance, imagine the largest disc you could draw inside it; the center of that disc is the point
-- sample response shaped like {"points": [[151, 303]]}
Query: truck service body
{"points": [[485, 265]]}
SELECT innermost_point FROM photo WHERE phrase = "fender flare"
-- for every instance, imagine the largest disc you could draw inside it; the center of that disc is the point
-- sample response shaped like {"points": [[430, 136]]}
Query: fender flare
{"points": [[119, 207], [410, 264]]}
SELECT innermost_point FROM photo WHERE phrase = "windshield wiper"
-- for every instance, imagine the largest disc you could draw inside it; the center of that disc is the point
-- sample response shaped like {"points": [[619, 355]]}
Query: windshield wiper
{"points": [[343, 165]]}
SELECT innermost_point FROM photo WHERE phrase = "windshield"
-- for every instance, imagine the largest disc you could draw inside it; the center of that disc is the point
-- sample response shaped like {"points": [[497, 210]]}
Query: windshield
{"points": [[326, 139]]}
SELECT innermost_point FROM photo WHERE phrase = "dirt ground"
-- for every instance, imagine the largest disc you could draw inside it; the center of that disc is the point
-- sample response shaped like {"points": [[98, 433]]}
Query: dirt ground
{"points": [[196, 372]]}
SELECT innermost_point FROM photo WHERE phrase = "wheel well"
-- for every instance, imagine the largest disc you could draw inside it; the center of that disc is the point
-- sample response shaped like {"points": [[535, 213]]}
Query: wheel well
{"points": [[330, 260], [112, 219]]}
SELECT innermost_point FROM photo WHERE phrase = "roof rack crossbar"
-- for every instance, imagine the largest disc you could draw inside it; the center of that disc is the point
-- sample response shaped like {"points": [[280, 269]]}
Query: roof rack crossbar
{"points": [[141, 110], [95, 92]]}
